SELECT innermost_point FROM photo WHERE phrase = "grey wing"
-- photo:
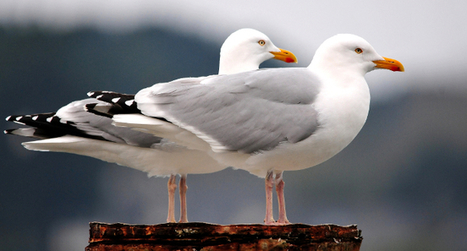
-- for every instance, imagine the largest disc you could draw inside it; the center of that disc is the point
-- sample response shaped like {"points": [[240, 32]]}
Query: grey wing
{"points": [[95, 125], [246, 112]]}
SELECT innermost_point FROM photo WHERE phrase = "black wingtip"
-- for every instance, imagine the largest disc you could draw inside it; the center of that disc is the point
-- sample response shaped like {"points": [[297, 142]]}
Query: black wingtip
{"points": [[14, 118], [120, 103], [92, 109]]}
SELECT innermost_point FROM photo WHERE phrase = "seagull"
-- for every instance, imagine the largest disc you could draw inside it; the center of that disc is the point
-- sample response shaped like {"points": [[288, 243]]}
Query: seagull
{"points": [[74, 130], [267, 121], [245, 49]]}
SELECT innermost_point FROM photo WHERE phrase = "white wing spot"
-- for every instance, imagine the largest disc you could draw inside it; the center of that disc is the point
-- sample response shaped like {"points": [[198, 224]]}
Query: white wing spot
{"points": [[35, 118], [49, 119], [115, 100], [130, 102], [8, 118]]}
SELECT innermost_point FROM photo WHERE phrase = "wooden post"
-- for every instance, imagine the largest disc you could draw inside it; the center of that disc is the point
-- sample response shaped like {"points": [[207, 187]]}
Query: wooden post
{"points": [[204, 236]]}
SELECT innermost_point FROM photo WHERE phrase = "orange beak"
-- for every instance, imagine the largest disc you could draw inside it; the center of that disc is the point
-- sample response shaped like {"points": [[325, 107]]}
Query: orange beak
{"points": [[285, 56], [390, 64]]}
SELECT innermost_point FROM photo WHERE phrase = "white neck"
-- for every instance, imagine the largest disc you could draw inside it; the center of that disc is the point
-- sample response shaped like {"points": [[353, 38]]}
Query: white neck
{"points": [[229, 66]]}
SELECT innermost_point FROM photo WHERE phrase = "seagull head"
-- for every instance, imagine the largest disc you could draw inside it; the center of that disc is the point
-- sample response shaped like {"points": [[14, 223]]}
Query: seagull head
{"points": [[245, 49], [351, 54]]}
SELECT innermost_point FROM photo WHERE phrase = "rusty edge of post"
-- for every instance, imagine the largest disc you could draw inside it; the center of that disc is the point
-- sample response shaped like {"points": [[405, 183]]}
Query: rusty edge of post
{"points": [[198, 235]]}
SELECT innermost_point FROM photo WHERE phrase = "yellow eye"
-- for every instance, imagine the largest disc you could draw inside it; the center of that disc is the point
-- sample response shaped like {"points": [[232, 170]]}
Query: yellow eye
{"points": [[261, 42], [359, 51]]}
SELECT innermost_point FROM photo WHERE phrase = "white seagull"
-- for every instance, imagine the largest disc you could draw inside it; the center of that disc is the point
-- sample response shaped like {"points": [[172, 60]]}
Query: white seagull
{"points": [[73, 130], [267, 121]]}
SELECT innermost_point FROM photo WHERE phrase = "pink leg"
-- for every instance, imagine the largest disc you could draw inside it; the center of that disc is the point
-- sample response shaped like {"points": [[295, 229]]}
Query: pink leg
{"points": [[281, 198], [183, 188], [171, 186], [269, 184]]}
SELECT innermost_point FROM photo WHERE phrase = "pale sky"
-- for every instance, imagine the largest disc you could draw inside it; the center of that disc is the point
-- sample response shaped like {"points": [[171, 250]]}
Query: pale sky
{"points": [[428, 37]]}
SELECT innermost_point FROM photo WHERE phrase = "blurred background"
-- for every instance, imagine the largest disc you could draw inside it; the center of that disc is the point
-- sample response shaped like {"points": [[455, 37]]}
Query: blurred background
{"points": [[403, 180]]}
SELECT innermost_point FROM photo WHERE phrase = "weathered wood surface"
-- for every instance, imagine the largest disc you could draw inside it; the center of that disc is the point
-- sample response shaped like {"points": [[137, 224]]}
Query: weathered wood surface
{"points": [[204, 236]]}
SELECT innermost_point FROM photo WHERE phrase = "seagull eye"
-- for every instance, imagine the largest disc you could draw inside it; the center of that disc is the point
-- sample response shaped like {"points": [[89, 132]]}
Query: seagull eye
{"points": [[359, 51], [261, 42]]}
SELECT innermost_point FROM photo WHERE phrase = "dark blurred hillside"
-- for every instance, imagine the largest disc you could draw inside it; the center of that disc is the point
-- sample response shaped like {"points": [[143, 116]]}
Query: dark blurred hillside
{"points": [[39, 66], [402, 180]]}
